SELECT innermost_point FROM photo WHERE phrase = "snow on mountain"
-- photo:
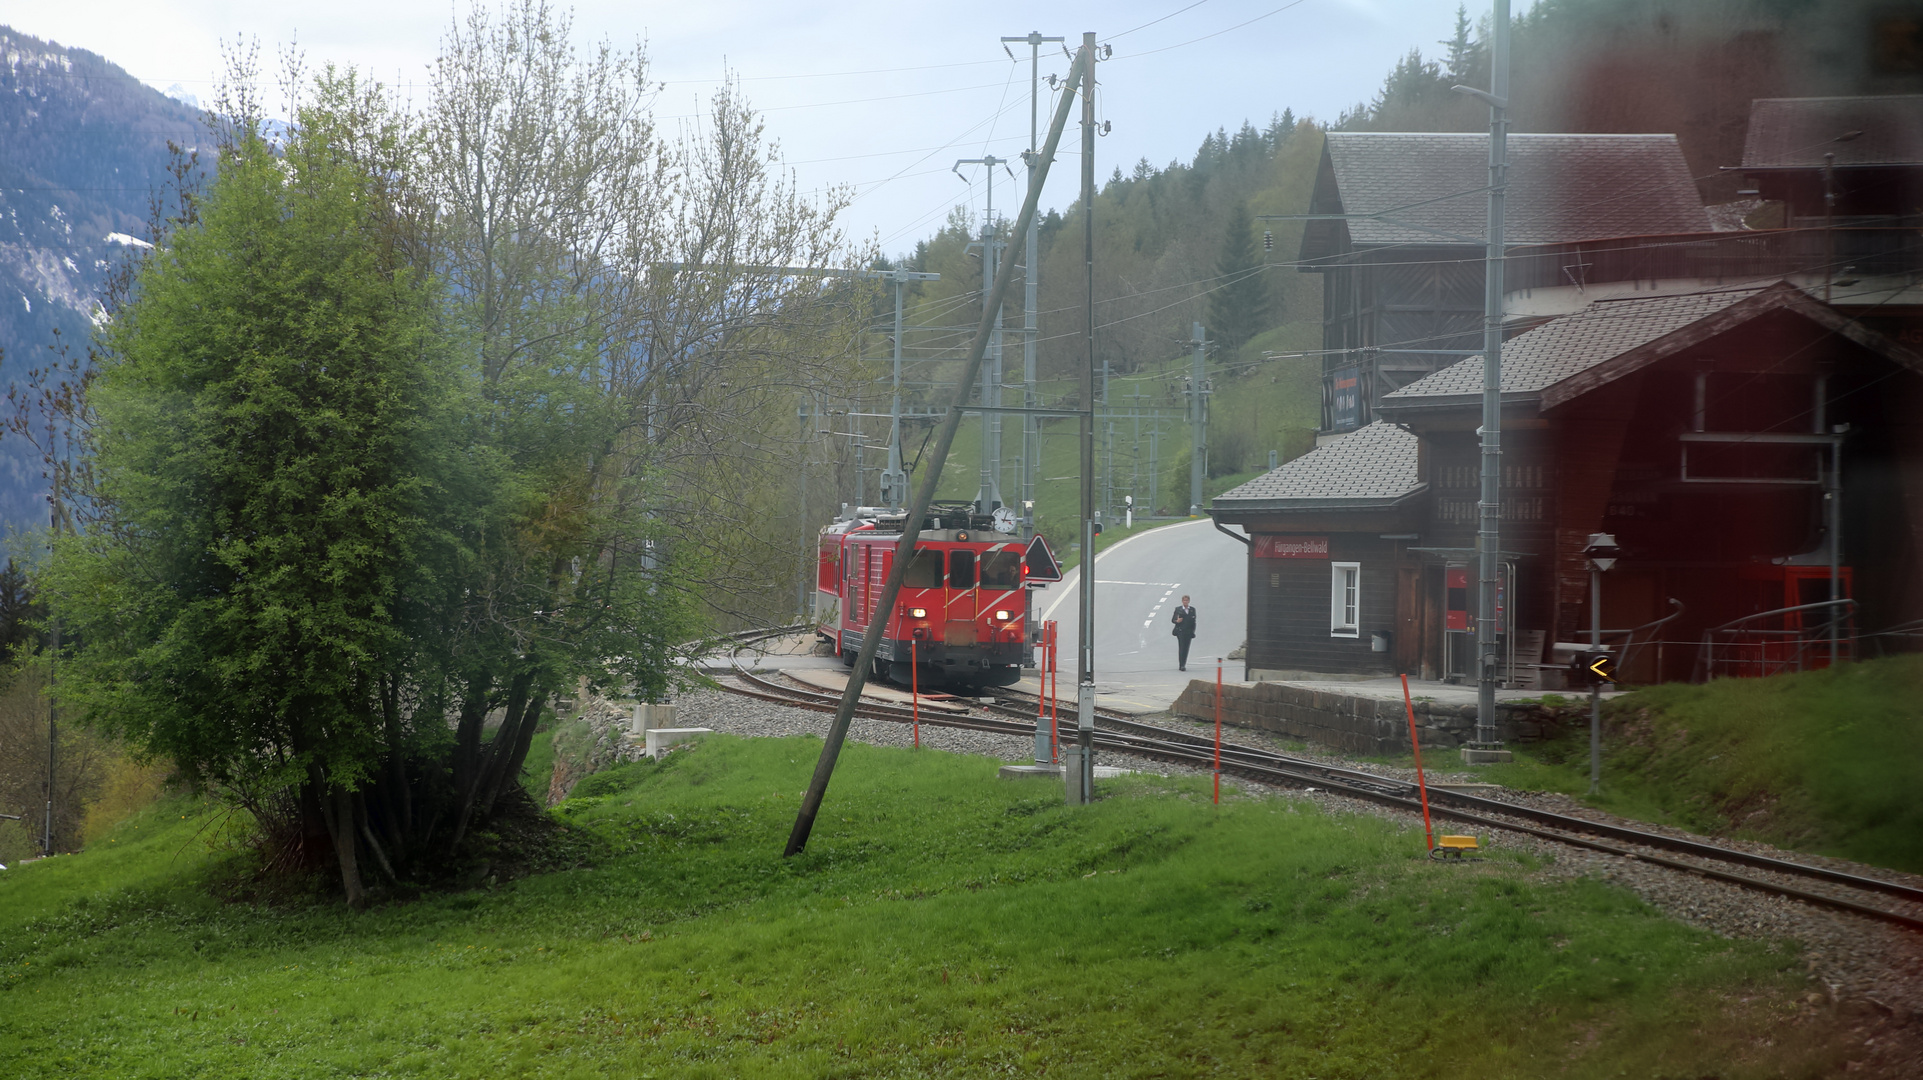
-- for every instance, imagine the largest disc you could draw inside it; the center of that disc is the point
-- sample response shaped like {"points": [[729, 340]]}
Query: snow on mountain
{"points": [[86, 148], [179, 93]]}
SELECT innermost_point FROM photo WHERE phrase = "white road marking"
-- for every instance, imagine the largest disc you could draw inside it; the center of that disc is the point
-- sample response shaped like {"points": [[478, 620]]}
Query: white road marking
{"points": [[1077, 571]]}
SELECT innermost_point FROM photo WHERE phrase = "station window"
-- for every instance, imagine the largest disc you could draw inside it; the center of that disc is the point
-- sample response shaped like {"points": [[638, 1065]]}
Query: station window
{"points": [[924, 572], [1345, 599], [961, 569], [1002, 570]]}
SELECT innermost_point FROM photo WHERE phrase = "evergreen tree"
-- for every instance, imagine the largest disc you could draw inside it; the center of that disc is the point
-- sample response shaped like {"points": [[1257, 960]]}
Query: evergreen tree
{"points": [[1239, 302], [1465, 63], [263, 411], [20, 611]]}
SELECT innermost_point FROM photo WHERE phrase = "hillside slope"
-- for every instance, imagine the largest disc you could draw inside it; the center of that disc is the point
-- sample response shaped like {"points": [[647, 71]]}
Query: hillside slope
{"points": [[87, 151]]}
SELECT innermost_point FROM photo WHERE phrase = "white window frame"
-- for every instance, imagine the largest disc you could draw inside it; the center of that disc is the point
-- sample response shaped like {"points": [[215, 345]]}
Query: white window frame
{"points": [[1345, 600]]}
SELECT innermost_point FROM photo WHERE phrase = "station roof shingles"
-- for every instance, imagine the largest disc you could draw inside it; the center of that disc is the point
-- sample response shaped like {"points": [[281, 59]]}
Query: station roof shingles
{"points": [[1372, 466], [1561, 187], [1795, 133], [1571, 345]]}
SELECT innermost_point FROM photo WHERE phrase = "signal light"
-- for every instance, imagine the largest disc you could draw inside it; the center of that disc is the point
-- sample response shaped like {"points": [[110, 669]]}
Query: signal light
{"points": [[1593, 668], [1002, 615], [1268, 240]]}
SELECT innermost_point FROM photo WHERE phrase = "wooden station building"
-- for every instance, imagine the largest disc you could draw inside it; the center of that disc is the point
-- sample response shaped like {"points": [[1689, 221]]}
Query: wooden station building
{"points": [[1709, 397]]}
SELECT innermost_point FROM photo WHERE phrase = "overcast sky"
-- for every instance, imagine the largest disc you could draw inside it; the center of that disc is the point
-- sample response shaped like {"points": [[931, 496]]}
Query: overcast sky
{"points": [[884, 96]]}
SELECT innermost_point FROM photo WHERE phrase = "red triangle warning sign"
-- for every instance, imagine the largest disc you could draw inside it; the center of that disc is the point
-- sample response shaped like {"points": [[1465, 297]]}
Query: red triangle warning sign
{"points": [[1039, 563]]}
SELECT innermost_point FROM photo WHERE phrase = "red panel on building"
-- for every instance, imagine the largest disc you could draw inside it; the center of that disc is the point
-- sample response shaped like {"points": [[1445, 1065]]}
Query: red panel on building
{"points": [[1456, 580]]}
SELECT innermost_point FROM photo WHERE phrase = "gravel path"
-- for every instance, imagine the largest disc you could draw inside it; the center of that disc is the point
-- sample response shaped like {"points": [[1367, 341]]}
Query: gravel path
{"points": [[1865, 974]]}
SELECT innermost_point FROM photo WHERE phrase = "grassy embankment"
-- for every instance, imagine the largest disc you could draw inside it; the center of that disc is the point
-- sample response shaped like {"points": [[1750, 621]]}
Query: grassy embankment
{"points": [[942, 923], [1821, 761]]}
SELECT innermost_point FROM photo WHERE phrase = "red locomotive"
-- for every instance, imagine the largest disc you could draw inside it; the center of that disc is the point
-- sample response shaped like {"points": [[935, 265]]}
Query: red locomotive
{"points": [[962, 614]]}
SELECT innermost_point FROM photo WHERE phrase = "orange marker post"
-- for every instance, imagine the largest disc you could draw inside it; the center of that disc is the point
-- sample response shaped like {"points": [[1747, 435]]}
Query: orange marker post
{"points": [[914, 685], [1421, 785], [1054, 688], [1218, 734]]}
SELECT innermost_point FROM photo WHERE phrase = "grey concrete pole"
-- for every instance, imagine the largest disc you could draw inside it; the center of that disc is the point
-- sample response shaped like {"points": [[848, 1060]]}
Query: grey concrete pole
{"points": [[1488, 536], [894, 482], [1198, 422], [1031, 432], [989, 495], [1836, 549], [801, 497], [1595, 689], [53, 703], [1080, 768]]}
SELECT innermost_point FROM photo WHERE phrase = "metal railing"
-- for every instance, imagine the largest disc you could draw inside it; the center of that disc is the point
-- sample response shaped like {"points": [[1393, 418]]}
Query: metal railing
{"points": [[1741, 649]]}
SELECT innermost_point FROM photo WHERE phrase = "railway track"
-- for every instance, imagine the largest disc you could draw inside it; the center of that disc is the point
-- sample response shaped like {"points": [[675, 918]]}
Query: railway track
{"points": [[1122, 734]]}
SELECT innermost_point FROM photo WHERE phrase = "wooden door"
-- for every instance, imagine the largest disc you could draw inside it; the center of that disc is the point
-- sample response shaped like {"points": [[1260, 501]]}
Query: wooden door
{"points": [[1408, 641]]}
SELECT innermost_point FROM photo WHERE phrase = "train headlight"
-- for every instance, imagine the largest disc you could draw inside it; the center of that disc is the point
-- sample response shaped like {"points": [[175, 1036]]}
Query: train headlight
{"points": [[918, 613], [1003, 616]]}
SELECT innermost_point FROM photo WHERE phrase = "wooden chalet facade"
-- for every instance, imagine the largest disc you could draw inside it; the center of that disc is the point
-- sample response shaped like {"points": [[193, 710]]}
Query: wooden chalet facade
{"points": [[1396, 233], [1687, 425], [1694, 394]]}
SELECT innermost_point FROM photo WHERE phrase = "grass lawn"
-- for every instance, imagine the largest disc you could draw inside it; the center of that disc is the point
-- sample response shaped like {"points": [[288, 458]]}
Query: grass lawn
{"points": [[1820, 761], [942, 923]]}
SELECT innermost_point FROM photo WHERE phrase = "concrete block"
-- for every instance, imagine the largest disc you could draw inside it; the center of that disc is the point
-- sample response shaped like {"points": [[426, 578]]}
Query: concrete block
{"points": [[660, 739], [1054, 772], [648, 717], [1471, 756]]}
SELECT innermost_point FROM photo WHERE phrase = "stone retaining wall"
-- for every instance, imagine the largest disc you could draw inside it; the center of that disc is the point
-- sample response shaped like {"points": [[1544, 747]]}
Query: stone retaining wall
{"points": [[1356, 724], [597, 736]]}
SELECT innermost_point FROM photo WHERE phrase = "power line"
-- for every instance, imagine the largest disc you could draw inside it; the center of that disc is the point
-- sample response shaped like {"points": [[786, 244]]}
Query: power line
{"points": [[1152, 22], [1218, 33]]}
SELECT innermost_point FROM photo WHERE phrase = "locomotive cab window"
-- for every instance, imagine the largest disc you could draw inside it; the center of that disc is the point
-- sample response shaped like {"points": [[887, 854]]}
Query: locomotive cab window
{"points": [[961, 569], [924, 572], [1002, 570]]}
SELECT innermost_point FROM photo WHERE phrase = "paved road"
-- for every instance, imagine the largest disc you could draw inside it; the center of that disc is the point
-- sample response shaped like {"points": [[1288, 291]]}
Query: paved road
{"points": [[1138, 583]]}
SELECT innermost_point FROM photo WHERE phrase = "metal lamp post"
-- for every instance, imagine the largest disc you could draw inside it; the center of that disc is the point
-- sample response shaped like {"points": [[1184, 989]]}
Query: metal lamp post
{"points": [[1602, 554]]}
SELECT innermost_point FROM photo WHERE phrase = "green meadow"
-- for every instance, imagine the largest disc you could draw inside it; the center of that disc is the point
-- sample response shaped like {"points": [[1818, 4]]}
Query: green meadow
{"points": [[942, 923], [1821, 761]]}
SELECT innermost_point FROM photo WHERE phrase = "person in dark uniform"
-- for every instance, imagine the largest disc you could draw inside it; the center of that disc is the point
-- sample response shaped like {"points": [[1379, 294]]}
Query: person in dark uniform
{"points": [[1184, 632]]}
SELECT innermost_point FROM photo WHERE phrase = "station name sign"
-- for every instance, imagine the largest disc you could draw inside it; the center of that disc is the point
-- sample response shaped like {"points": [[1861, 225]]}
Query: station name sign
{"points": [[1273, 546]]}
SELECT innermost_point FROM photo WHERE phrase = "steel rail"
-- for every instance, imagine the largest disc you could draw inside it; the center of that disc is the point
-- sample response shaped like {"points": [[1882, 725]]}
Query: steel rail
{"points": [[1156, 742], [1379, 790], [1550, 818], [1268, 767]]}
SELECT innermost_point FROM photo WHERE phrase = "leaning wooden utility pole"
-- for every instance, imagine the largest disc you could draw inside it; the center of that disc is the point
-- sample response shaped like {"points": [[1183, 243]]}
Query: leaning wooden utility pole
{"points": [[931, 473]]}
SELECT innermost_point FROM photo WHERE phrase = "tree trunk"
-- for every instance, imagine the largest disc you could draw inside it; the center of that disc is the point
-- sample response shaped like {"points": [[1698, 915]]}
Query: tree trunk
{"points": [[518, 748], [487, 769], [467, 734], [339, 814]]}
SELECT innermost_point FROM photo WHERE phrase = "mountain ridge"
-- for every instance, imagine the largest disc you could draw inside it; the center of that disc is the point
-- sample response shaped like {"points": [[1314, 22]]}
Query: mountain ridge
{"points": [[89, 152]]}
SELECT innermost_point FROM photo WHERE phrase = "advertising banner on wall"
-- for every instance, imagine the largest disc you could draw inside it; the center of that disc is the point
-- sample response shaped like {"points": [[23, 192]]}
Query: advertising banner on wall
{"points": [[1345, 399]]}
